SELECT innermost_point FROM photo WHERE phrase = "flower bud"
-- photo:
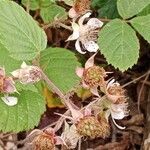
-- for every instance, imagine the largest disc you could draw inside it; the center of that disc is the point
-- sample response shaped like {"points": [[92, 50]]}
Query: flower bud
{"points": [[27, 74]]}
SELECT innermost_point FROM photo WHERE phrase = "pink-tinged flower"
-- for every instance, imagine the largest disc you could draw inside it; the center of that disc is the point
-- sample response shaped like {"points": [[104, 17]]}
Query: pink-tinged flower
{"points": [[92, 76], [7, 85], [27, 74], [86, 34], [9, 100], [114, 92]]}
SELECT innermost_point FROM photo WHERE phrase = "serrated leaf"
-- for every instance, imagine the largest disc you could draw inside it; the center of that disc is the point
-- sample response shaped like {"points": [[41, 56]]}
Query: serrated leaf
{"points": [[19, 33], [129, 8], [6, 61], [59, 64], [36, 4], [23, 116], [142, 25], [119, 44], [48, 14], [106, 8]]}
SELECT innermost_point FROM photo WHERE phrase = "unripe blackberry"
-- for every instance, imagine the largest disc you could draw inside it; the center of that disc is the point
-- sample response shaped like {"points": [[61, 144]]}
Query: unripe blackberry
{"points": [[90, 127], [43, 142], [94, 76]]}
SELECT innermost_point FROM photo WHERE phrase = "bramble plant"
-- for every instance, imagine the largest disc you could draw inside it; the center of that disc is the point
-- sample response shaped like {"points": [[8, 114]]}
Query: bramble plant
{"points": [[29, 65]]}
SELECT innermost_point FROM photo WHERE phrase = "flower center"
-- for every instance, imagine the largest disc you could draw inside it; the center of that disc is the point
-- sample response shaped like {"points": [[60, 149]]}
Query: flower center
{"points": [[94, 76], [116, 90]]}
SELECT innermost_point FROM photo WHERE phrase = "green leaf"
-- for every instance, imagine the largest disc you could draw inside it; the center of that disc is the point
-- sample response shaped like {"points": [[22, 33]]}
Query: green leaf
{"points": [[145, 11], [48, 14], [106, 8], [32, 4], [142, 25], [23, 116], [36, 4], [59, 64], [129, 8], [19, 33], [6, 61], [119, 44]]}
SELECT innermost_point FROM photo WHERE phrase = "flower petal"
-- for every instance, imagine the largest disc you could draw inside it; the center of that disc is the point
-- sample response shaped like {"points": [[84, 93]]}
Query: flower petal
{"points": [[94, 90], [78, 48], [81, 20], [9, 100], [9, 86], [119, 111], [72, 13], [91, 46], [79, 71], [24, 65], [95, 23], [90, 62], [120, 127], [16, 73], [75, 34]]}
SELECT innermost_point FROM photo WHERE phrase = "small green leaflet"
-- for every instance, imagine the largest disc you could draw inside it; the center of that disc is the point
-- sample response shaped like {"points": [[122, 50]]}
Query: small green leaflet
{"points": [[106, 8], [37, 4], [129, 8], [19, 33], [49, 14], [60, 64], [119, 44], [142, 25]]}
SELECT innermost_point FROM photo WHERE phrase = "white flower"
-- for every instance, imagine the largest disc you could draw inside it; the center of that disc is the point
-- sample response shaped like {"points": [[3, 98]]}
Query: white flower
{"points": [[118, 112], [9, 100], [27, 74], [86, 33]]}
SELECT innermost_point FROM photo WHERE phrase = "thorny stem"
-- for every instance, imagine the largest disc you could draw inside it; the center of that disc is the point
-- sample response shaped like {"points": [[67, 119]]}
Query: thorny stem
{"points": [[58, 24]]}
